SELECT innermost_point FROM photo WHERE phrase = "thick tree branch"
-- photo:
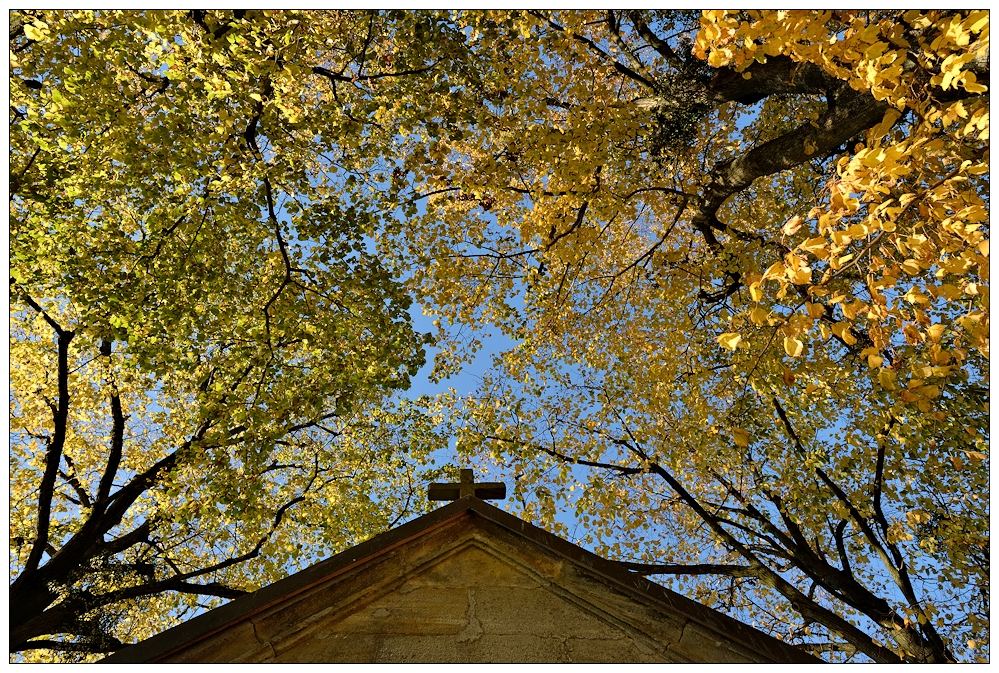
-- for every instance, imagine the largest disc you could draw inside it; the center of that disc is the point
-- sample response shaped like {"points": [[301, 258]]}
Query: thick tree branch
{"points": [[55, 443], [808, 608], [108, 644], [695, 569], [210, 589], [31, 590], [849, 113], [778, 75], [117, 445], [139, 534], [929, 645], [40, 621], [844, 558], [73, 480], [879, 471]]}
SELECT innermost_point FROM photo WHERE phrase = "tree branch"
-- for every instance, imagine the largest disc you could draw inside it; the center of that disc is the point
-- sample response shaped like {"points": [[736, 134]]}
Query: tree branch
{"points": [[696, 569], [335, 77], [73, 480], [849, 113], [894, 563], [117, 440], [210, 589], [656, 42], [55, 443], [617, 65]]}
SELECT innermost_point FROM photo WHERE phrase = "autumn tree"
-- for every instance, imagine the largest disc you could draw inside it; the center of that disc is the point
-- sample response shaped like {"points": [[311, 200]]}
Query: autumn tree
{"points": [[744, 257], [201, 341]]}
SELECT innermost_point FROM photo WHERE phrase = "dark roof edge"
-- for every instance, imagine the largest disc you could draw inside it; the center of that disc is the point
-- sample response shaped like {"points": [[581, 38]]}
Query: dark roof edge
{"points": [[166, 642], [202, 626], [729, 627]]}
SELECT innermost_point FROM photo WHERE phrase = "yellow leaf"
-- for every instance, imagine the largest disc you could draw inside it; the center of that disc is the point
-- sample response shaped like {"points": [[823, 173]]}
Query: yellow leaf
{"points": [[934, 332], [756, 292], [801, 276], [792, 226], [929, 392], [816, 246], [793, 347], [842, 330], [717, 58], [839, 262], [775, 271], [729, 340], [740, 437], [711, 31], [910, 266], [891, 116], [974, 23]]}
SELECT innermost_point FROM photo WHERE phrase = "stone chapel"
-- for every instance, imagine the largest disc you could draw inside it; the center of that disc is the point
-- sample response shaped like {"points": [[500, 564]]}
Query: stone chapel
{"points": [[465, 583]]}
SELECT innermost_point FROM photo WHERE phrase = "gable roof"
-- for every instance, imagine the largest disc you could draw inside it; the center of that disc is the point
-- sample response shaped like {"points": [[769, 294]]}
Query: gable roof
{"points": [[699, 633]]}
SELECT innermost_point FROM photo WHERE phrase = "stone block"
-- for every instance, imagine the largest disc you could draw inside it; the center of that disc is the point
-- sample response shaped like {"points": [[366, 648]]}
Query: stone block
{"points": [[329, 647], [539, 612], [600, 651], [423, 611], [471, 566]]}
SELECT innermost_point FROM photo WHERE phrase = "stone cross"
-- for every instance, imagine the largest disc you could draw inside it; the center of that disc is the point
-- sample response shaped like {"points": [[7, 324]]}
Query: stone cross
{"points": [[495, 490]]}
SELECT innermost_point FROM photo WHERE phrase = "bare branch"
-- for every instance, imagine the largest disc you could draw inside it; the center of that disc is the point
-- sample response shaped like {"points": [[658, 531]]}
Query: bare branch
{"points": [[54, 444], [696, 569], [607, 58]]}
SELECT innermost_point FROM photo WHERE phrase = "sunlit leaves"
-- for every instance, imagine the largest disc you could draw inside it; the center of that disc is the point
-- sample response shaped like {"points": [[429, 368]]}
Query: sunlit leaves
{"points": [[187, 196], [850, 287], [704, 268]]}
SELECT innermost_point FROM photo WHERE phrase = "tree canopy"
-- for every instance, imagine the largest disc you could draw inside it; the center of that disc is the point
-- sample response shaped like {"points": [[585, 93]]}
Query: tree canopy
{"points": [[201, 341], [743, 257]]}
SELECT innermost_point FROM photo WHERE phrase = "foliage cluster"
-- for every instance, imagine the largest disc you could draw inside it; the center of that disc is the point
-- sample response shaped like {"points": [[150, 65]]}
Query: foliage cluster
{"points": [[743, 257]]}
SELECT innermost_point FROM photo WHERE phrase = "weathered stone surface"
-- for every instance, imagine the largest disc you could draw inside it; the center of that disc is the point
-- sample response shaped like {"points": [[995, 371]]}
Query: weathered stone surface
{"points": [[697, 641], [226, 645], [607, 651], [472, 567]]}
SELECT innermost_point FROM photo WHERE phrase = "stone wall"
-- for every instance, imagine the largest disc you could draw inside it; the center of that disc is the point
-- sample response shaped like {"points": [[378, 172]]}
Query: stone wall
{"points": [[466, 591]]}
